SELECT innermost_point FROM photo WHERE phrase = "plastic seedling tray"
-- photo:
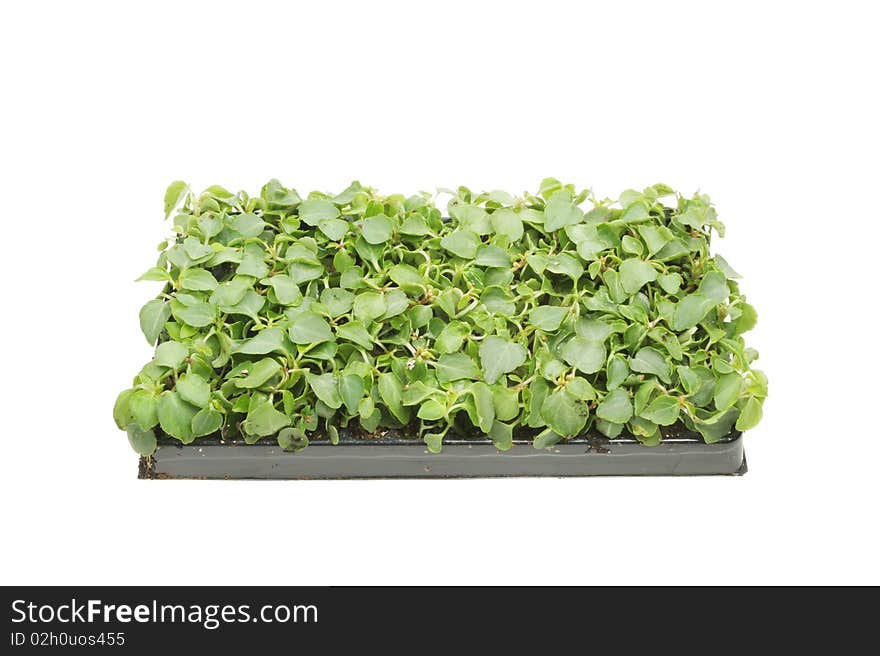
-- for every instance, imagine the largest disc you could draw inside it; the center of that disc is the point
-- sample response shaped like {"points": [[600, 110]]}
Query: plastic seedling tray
{"points": [[395, 456]]}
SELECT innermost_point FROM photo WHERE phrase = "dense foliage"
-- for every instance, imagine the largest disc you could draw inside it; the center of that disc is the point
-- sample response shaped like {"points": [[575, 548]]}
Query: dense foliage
{"points": [[542, 316]]}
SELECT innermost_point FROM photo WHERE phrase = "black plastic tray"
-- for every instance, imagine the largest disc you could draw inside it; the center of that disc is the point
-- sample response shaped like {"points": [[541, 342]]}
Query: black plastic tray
{"points": [[396, 457]]}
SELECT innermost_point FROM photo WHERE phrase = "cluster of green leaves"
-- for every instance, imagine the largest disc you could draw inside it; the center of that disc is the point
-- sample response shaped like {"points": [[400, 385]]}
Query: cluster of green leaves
{"points": [[544, 315]]}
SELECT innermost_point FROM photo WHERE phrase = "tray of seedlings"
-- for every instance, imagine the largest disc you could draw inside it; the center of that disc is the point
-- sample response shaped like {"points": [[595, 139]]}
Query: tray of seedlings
{"points": [[361, 335]]}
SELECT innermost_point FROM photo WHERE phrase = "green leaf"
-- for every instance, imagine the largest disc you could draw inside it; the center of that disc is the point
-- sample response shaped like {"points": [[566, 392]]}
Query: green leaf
{"points": [[507, 222], [656, 237], [643, 395], [196, 250], [367, 409], [310, 328], [354, 331], [315, 210], [416, 392], [338, 301], [650, 361], [635, 213], [194, 389], [173, 195], [751, 414], [506, 401], [301, 272], [292, 439], [727, 389], [634, 273], [703, 396], [258, 373], [690, 311], [593, 329], [434, 441], [326, 388], [415, 226], [547, 317], [580, 389], [618, 370], [249, 305], [499, 197], [279, 196], [206, 421], [286, 290], [242, 403], [343, 261], [396, 303], [121, 411], [156, 274], [263, 419], [714, 287], [142, 441], [334, 229], [502, 435], [564, 414], [670, 283], [471, 217], [725, 268], [198, 280], [690, 380], [566, 265], [672, 251], [210, 225], [142, 406], [560, 212], [500, 356], [647, 432], [153, 316], [590, 243], [351, 390], [616, 408], [349, 194], [663, 410], [631, 245], [492, 256], [377, 229], [549, 186], [175, 416], [586, 355], [197, 315], [720, 428], [456, 366], [231, 292], [451, 337], [546, 439], [537, 392], [747, 319], [420, 316], [484, 405], [431, 410], [248, 225], [369, 306], [265, 341], [405, 275], [391, 392], [253, 262], [170, 354], [498, 301], [462, 243]]}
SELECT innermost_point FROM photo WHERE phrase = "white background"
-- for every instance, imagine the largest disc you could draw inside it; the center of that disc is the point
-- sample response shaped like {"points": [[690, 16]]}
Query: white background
{"points": [[770, 107]]}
